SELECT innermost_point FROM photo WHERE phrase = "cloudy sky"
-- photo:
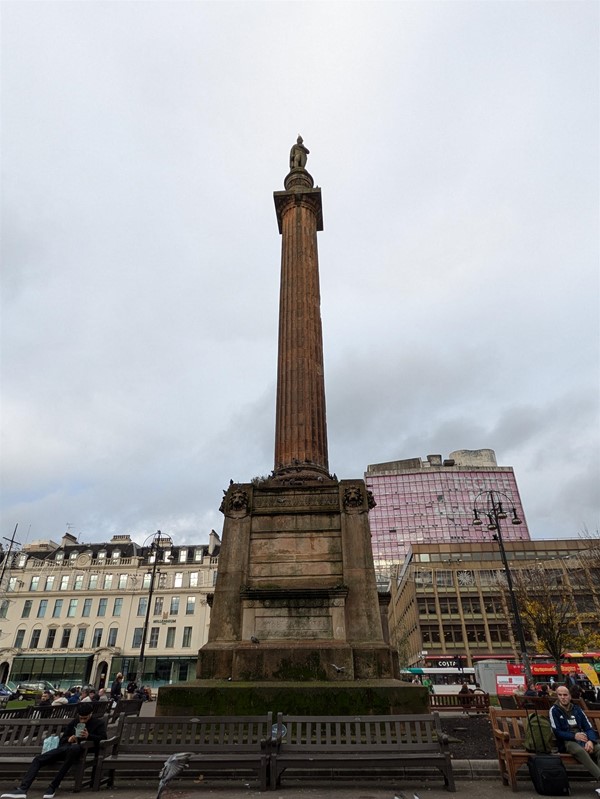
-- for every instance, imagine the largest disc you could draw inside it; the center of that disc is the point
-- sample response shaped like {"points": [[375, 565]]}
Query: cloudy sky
{"points": [[456, 144]]}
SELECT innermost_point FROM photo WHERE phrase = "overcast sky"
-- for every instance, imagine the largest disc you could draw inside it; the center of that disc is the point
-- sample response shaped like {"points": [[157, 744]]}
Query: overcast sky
{"points": [[456, 145]]}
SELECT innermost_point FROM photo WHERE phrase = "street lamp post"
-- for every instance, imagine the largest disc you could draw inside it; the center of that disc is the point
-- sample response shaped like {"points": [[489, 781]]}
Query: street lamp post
{"points": [[155, 548], [495, 512]]}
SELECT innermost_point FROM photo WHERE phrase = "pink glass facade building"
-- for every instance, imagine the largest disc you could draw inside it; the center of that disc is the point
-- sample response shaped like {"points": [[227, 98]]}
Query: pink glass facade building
{"points": [[432, 501]]}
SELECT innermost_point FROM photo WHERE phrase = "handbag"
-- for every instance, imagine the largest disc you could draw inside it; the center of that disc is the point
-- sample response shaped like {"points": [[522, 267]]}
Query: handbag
{"points": [[50, 742]]}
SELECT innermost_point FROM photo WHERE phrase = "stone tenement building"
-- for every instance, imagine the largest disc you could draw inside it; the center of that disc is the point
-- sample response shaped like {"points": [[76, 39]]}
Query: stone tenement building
{"points": [[74, 613], [432, 501], [448, 599]]}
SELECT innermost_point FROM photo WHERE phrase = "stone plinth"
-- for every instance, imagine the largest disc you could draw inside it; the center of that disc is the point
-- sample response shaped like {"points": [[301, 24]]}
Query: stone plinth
{"points": [[218, 698]]}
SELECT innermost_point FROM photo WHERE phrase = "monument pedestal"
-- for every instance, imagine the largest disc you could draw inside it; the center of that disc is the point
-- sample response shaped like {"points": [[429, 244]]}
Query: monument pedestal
{"points": [[296, 612]]}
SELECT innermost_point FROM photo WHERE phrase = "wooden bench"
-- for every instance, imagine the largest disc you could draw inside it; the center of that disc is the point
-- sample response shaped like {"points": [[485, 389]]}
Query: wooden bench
{"points": [[359, 743], [22, 739], [124, 707], [15, 713], [508, 728], [218, 744], [479, 703], [542, 702]]}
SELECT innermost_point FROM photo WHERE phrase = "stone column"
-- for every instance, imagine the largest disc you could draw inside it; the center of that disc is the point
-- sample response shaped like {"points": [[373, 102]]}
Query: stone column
{"points": [[300, 426]]}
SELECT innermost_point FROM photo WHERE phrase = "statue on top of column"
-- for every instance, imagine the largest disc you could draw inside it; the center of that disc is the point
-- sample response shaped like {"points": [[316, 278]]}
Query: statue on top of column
{"points": [[298, 154]]}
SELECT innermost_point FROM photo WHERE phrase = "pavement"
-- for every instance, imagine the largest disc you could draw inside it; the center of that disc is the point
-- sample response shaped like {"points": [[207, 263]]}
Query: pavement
{"points": [[479, 788]]}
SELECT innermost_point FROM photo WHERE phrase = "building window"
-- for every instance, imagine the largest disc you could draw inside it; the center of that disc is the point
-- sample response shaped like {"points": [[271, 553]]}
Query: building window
{"points": [[42, 608], [57, 610], [50, 583], [22, 561], [190, 605], [153, 642], [97, 637], [4, 608], [64, 583], [59, 557], [443, 578], [174, 609], [158, 605], [102, 603], [183, 555], [118, 605], [35, 639], [78, 584], [80, 641], [430, 633], [112, 636], [116, 555], [27, 609], [102, 554], [50, 638], [198, 553], [194, 579], [12, 584], [137, 638], [19, 639], [73, 556], [72, 609], [34, 584], [167, 556], [170, 638], [142, 606], [178, 580], [66, 637], [123, 581], [187, 637], [146, 581], [87, 607], [107, 581], [93, 583]]}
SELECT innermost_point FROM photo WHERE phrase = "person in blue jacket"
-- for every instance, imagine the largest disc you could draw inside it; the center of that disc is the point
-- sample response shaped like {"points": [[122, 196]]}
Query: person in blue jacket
{"points": [[574, 733]]}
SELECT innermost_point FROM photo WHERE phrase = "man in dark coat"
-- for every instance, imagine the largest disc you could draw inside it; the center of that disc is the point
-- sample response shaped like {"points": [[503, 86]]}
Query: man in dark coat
{"points": [[574, 733], [84, 727]]}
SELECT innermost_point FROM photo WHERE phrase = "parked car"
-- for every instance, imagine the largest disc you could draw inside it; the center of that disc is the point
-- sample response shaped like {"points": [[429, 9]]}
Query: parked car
{"points": [[34, 688], [8, 691]]}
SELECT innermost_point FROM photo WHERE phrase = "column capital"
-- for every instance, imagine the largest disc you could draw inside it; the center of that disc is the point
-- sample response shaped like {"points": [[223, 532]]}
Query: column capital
{"points": [[310, 198]]}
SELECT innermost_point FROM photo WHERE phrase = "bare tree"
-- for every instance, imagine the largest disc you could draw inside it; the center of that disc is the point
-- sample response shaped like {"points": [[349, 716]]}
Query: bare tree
{"points": [[548, 610]]}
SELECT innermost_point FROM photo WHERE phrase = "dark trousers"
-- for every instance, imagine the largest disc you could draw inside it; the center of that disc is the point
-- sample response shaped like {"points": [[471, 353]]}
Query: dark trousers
{"points": [[68, 753]]}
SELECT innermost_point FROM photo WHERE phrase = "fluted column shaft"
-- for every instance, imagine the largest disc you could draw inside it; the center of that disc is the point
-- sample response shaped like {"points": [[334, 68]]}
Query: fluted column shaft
{"points": [[301, 426]]}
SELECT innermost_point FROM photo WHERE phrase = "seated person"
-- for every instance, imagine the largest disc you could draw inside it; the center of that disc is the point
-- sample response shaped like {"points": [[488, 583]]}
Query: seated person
{"points": [[69, 751], [574, 733]]}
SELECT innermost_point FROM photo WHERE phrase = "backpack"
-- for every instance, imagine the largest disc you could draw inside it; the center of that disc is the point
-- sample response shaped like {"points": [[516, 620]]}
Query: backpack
{"points": [[538, 734]]}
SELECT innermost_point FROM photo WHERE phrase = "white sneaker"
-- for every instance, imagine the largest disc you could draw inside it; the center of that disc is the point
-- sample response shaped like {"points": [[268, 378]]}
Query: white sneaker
{"points": [[16, 794], [49, 794]]}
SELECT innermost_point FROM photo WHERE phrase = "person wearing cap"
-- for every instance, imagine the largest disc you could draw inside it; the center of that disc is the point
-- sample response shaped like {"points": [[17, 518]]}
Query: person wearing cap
{"points": [[69, 751]]}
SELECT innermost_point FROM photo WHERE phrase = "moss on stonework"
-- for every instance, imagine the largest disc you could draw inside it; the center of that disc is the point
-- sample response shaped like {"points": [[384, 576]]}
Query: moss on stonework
{"points": [[215, 698], [310, 669]]}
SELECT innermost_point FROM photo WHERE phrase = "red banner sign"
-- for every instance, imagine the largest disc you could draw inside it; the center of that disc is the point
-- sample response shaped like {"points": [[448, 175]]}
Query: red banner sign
{"points": [[543, 669]]}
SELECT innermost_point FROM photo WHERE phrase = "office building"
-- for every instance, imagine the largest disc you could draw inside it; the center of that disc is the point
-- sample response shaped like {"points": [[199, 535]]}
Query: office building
{"points": [[431, 501]]}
